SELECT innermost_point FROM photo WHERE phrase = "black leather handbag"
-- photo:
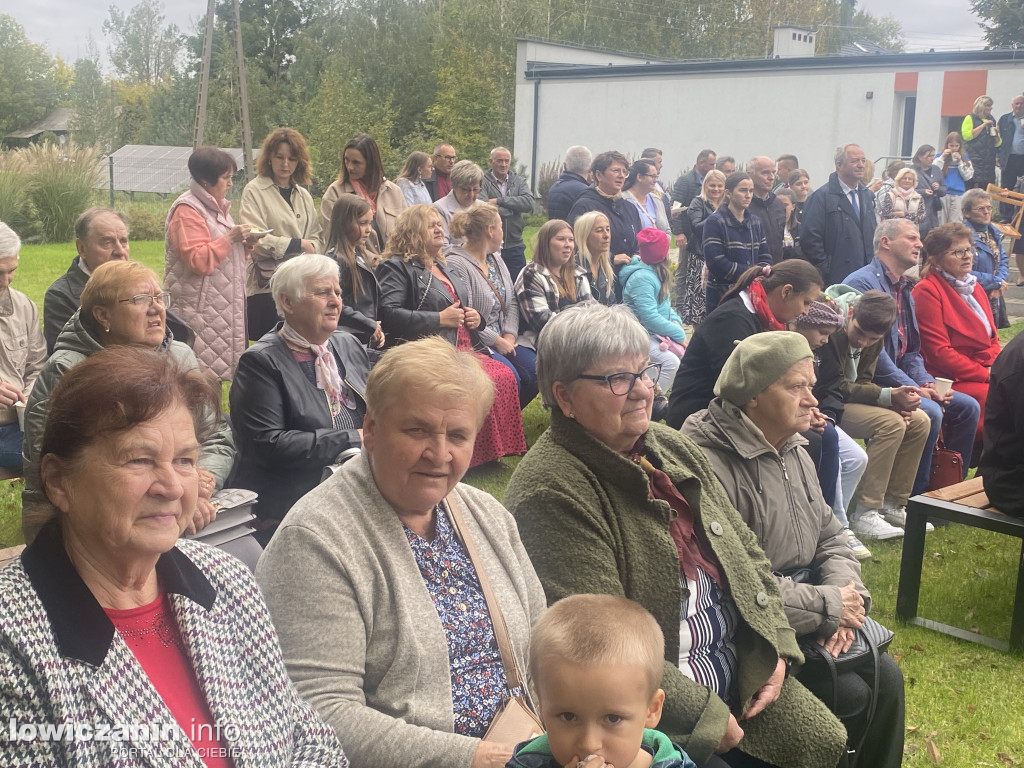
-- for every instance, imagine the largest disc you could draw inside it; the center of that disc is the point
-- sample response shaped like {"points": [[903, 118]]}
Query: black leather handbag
{"points": [[869, 641]]}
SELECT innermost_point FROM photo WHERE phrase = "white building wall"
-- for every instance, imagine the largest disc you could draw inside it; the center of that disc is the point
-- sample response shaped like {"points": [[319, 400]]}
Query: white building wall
{"points": [[928, 124], [806, 112]]}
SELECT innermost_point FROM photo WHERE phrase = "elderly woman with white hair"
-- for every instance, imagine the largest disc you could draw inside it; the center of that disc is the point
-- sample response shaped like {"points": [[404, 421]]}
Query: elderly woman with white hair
{"points": [[467, 181], [608, 502], [376, 580], [23, 352], [297, 400]]}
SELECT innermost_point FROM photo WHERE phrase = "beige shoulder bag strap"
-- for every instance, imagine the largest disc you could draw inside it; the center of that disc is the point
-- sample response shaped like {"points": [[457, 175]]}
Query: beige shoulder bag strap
{"points": [[515, 721]]}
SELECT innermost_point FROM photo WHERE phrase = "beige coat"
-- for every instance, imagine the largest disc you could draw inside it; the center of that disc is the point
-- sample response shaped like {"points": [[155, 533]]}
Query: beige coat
{"points": [[390, 203], [23, 350], [264, 208]]}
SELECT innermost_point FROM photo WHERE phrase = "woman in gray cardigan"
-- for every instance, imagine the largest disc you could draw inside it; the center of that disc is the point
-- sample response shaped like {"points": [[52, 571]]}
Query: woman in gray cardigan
{"points": [[378, 607], [491, 292]]}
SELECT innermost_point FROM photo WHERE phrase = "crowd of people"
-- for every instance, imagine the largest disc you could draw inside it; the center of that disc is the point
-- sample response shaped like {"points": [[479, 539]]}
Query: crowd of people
{"points": [[634, 567]]}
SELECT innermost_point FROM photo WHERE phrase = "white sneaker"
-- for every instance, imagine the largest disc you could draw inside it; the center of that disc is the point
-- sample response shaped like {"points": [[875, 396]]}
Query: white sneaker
{"points": [[870, 525], [859, 550], [898, 516]]}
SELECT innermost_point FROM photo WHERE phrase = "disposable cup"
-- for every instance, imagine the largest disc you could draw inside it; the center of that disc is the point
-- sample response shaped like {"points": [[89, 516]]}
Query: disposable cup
{"points": [[942, 386]]}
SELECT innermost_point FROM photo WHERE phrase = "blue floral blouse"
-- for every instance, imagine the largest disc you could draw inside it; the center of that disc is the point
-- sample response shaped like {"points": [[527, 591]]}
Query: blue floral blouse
{"points": [[478, 677]]}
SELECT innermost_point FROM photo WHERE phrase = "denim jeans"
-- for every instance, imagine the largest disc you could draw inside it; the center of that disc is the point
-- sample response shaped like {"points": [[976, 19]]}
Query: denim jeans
{"points": [[524, 365], [852, 463], [515, 259], [10, 446]]}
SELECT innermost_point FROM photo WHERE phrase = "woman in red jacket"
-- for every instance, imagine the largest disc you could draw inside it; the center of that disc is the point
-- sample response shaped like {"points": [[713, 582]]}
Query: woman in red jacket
{"points": [[958, 334]]}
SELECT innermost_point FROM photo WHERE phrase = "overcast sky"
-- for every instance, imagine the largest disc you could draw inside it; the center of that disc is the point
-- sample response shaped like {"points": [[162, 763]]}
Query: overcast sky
{"points": [[64, 26]]}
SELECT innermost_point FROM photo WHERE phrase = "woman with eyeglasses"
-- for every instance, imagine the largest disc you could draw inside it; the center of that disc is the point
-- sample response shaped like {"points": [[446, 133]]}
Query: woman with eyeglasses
{"points": [[123, 304], [958, 333], [638, 188], [297, 401], [608, 502], [991, 262], [420, 295], [610, 170], [467, 180]]}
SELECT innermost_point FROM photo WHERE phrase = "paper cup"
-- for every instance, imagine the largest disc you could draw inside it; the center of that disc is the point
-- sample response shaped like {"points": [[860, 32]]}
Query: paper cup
{"points": [[942, 386], [20, 408]]}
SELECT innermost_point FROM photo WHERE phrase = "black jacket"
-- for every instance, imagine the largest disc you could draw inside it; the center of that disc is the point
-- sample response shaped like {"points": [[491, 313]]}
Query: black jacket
{"points": [[828, 389], [622, 215], [1002, 461], [932, 202], [358, 317], [412, 299], [61, 301], [564, 193], [284, 435], [709, 348], [772, 213], [687, 187], [831, 236]]}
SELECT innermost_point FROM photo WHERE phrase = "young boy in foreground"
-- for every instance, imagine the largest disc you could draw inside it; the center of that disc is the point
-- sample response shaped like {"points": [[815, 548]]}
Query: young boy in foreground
{"points": [[595, 665]]}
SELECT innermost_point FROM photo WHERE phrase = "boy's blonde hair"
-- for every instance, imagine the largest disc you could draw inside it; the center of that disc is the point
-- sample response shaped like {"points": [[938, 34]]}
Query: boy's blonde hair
{"points": [[589, 630]]}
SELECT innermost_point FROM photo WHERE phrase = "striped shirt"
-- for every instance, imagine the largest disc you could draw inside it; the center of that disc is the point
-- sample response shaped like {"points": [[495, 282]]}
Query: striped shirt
{"points": [[707, 653]]}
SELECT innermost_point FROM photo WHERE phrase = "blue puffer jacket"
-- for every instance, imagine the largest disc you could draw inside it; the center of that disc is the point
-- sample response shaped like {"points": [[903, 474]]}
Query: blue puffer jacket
{"points": [[640, 288]]}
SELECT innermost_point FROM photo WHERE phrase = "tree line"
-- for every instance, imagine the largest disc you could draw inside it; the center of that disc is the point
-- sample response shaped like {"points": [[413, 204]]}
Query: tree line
{"points": [[409, 72]]}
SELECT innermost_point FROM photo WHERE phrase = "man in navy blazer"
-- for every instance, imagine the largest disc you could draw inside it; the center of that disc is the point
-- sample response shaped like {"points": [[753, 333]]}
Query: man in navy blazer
{"points": [[897, 246], [838, 224]]}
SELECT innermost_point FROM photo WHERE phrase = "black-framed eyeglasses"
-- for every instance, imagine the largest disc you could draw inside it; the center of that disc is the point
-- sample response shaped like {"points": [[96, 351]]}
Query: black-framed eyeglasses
{"points": [[623, 383], [961, 252], [146, 300]]}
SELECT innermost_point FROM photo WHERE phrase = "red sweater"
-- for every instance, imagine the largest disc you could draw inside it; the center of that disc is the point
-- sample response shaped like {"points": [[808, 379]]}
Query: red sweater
{"points": [[152, 635]]}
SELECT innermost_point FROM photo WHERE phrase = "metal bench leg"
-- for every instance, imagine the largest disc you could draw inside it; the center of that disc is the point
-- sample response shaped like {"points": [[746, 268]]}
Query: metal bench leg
{"points": [[911, 563], [1017, 623]]}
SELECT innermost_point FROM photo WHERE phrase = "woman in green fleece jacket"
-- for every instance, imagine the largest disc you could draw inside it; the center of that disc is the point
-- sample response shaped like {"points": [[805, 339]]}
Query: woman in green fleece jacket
{"points": [[607, 502]]}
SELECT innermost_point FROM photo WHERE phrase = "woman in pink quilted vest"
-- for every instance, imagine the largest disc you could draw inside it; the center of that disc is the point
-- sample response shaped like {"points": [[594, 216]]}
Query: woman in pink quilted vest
{"points": [[204, 268]]}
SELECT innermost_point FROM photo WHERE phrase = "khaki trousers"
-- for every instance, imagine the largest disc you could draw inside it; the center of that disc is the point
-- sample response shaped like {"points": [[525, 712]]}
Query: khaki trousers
{"points": [[894, 451]]}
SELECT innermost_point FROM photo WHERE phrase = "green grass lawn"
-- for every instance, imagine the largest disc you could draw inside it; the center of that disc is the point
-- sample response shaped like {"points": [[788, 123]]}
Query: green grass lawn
{"points": [[964, 698]]}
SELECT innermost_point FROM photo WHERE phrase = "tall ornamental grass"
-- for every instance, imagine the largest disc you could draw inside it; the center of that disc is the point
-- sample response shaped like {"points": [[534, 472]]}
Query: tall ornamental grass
{"points": [[15, 206], [61, 180]]}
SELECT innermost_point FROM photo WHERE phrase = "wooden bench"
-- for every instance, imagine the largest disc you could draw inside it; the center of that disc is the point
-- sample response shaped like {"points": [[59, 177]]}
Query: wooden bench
{"points": [[964, 503]]}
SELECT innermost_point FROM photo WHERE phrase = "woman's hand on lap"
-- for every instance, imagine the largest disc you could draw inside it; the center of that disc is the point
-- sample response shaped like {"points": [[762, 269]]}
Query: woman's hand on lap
{"points": [[205, 514], [768, 692], [839, 643], [504, 347], [853, 607], [733, 736]]}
